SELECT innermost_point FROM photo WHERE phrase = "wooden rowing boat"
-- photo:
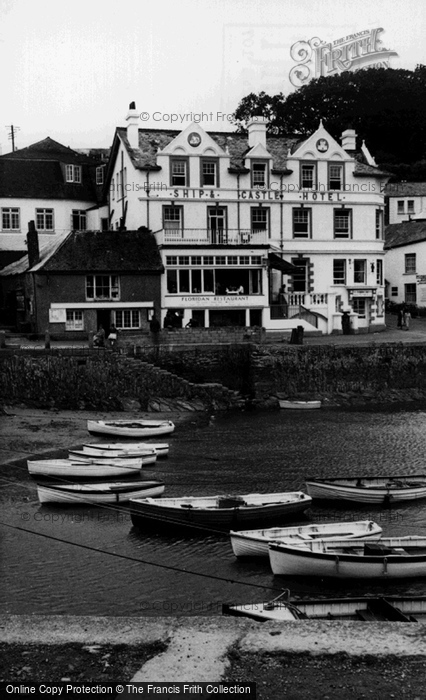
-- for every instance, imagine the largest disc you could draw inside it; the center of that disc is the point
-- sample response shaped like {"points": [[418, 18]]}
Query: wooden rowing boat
{"points": [[110, 492], [219, 512], [306, 405], [369, 489], [131, 428], [254, 543], [130, 448], [146, 457], [68, 467], [392, 557], [367, 609]]}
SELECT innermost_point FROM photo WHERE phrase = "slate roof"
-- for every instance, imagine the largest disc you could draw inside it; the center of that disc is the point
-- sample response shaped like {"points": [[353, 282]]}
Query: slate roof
{"points": [[47, 246], [236, 144], [397, 235], [406, 189], [35, 172], [106, 251], [95, 251]]}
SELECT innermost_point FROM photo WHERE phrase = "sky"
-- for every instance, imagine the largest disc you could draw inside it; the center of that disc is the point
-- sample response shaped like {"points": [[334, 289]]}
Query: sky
{"points": [[70, 69]]}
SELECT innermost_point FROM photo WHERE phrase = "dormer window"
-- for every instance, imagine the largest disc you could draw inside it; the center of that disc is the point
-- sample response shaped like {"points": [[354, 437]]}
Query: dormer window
{"points": [[209, 173], [73, 173], [179, 176], [259, 175], [308, 176]]}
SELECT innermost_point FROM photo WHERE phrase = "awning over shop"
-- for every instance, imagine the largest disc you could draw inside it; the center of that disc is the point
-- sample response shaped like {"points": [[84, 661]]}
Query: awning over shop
{"points": [[277, 263]]}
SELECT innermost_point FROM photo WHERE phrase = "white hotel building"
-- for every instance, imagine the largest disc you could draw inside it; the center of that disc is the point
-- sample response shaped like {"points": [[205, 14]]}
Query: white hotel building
{"points": [[256, 230]]}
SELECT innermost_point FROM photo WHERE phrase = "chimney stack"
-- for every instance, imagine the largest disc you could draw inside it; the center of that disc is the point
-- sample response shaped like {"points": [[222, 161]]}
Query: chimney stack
{"points": [[32, 244], [132, 120], [349, 140], [256, 127]]}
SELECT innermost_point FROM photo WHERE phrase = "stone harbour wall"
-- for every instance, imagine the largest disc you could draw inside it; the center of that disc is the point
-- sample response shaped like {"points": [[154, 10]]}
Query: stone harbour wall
{"points": [[105, 381], [374, 373], [212, 377]]}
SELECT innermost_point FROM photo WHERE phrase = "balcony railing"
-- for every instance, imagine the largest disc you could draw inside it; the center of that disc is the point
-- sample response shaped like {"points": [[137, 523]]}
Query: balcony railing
{"points": [[308, 300], [202, 236]]}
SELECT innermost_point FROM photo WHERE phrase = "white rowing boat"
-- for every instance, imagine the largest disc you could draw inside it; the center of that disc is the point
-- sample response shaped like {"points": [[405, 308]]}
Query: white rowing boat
{"points": [[130, 448], [88, 493], [305, 405], [392, 557], [254, 543], [68, 467], [367, 609], [146, 457], [131, 428], [369, 489]]}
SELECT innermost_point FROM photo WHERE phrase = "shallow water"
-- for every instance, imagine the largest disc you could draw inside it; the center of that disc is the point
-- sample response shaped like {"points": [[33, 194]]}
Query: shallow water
{"points": [[81, 561]]}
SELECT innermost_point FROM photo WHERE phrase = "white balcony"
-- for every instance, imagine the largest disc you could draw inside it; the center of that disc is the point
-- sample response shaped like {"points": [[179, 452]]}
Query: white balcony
{"points": [[203, 236]]}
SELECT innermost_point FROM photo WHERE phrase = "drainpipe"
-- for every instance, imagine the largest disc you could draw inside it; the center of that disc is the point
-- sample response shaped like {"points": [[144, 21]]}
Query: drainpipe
{"points": [[147, 199]]}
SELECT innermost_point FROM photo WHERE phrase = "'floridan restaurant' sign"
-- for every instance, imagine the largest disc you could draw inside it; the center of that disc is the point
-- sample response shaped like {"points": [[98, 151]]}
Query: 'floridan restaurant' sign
{"points": [[316, 58]]}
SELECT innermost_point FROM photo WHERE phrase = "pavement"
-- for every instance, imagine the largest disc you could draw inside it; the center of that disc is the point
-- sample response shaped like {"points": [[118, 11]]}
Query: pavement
{"points": [[392, 334]]}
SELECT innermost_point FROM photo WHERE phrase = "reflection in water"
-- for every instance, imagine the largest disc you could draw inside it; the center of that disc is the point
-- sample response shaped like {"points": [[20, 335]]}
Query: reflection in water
{"points": [[144, 572]]}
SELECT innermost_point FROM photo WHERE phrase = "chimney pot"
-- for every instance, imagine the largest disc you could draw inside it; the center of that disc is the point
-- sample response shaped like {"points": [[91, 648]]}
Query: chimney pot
{"points": [[133, 126], [256, 127], [349, 140], [33, 245]]}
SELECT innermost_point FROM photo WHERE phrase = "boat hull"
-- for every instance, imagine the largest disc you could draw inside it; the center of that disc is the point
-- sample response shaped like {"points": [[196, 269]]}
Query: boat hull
{"points": [[136, 448], [66, 468], [366, 609], [255, 543], [373, 491], [105, 456], [98, 493], [301, 405], [130, 429], [203, 517], [340, 562]]}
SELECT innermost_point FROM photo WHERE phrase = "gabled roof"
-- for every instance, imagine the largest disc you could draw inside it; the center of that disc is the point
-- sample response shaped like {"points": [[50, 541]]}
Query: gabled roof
{"points": [[106, 251], [37, 172], [235, 144], [95, 251], [406, 189], [153, 140], [47, 149], [407, 232]]}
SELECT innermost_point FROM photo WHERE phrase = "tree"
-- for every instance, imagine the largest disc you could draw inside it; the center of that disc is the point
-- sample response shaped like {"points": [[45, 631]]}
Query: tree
{"points": [[385, 106]]}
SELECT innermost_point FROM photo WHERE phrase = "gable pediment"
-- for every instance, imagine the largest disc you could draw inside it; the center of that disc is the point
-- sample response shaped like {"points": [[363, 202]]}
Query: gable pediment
{"points": [[193, 141], [321, 146], [258, 151]]}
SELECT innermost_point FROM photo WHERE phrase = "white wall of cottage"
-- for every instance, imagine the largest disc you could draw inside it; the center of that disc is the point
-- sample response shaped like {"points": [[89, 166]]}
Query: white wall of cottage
{"points": [[418, 206], [398, 278], [62, 215]]}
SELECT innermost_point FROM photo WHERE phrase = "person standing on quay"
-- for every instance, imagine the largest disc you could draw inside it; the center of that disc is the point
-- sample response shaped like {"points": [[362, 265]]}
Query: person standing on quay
{"points": [[406, 319]]}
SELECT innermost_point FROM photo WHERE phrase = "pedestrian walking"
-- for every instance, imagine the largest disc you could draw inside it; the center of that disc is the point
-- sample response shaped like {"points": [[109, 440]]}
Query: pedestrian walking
{"points": [[400, 317]]}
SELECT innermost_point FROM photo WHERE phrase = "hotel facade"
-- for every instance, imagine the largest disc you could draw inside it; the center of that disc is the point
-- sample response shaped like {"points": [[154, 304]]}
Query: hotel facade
{"points": [[253, 229]]}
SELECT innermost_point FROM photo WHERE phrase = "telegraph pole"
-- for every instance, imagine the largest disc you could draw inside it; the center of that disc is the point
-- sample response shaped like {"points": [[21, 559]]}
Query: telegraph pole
{"points": [[13, 130]]}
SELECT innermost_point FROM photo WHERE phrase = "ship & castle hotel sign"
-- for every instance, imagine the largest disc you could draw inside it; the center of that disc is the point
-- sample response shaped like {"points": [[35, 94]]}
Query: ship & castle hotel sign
{"points": [[316, 58]]}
